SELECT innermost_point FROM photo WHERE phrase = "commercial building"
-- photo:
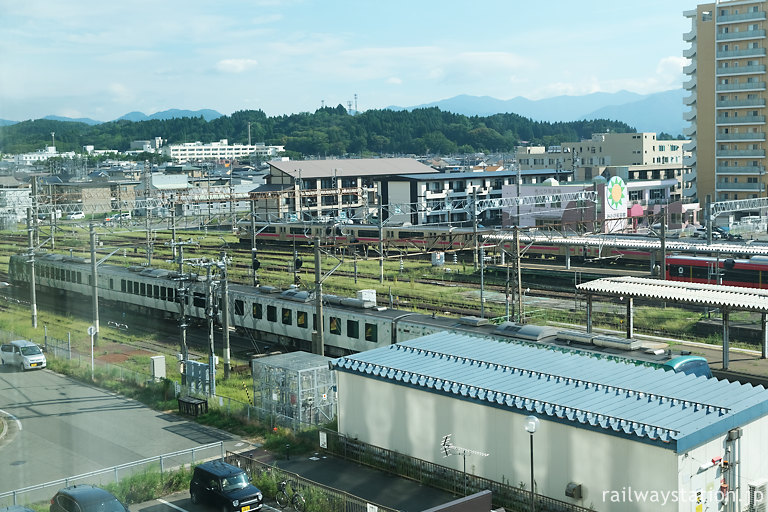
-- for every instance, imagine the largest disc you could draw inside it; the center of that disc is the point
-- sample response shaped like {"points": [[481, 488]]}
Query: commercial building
{"points": [[222, 150], [612, 435], [726, 95]]}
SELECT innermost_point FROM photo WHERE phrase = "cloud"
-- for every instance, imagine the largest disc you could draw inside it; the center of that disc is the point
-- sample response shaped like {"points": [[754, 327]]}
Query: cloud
{"points": [[394, 80], [236, 65]]}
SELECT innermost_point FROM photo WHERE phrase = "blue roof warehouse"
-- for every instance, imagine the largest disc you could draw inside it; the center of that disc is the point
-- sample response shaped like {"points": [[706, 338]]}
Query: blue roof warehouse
{"points": [[606, 425]]}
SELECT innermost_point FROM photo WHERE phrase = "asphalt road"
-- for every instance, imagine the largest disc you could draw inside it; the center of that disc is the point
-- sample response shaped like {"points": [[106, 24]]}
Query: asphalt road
{"points": [[58, 427]]}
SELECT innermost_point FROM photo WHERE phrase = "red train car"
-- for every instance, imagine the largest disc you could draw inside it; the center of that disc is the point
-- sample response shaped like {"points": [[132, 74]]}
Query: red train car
{"points": [[750, 273]]}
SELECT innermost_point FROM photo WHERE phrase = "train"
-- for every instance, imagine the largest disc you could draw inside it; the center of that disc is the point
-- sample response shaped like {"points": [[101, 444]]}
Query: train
{"points": [[420, 238], [749, 273], [286, 319]]}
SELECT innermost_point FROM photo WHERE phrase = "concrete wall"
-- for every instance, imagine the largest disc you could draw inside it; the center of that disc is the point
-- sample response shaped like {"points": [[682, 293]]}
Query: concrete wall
{"points": [[413, 421]]}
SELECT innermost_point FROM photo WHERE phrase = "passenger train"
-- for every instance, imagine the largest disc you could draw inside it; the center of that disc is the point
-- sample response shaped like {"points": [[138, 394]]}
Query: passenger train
{"points": [[423, 238], [287, 318], [750, 273]]}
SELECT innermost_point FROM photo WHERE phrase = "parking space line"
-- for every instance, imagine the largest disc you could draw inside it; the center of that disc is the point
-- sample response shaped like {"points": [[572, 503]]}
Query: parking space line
{"points": [[172, 505]]}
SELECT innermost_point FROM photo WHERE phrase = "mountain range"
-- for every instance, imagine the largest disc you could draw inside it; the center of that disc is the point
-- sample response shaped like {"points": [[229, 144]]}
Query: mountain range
{"points": [[658, 112]]}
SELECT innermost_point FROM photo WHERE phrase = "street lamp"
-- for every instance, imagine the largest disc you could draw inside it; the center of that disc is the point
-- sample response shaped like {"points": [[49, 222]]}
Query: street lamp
{"points": [[531, 424]]}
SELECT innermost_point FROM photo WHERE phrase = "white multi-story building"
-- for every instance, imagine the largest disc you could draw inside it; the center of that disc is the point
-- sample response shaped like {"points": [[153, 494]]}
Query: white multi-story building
{"points": [[41, 156], [222, 150]]}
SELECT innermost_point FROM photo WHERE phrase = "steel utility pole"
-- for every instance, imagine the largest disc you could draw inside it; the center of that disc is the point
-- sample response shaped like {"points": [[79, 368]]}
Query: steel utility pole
{"points": [[319, 345], [225, 314], [31, 261], [209, 315], [147, 179], [381, 241], [254, 260], [518, 277], [94, 285], [474, 225]]}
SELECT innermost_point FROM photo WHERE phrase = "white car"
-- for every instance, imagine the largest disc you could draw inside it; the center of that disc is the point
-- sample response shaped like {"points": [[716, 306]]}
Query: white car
{"points": [[22, 354], [76, 215]]}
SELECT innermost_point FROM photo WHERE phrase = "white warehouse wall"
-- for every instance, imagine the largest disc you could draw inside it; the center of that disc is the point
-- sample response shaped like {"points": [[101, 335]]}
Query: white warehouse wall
{"points": [[412, 421]]}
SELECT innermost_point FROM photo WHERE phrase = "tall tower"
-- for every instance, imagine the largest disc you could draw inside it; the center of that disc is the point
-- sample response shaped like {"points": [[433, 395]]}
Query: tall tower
{"points": [[726, 95]]}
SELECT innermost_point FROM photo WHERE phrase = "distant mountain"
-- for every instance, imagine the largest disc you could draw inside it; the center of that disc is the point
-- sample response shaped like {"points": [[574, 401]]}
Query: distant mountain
{"points": [[207, 114], [659, 112], [5, 122], [85, 120]]}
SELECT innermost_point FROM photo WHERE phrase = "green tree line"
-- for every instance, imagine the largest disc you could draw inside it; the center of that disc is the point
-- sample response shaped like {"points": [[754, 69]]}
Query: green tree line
{"points": [[328, 131]]}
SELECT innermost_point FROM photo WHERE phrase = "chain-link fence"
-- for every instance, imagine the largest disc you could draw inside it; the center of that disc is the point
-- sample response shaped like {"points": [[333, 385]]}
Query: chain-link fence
{"points": [[42, 493]]}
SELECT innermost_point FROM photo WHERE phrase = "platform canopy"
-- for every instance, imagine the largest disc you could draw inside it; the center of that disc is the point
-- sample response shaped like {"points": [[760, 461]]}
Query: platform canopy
{"points": [[711, 295], [726, 298]]}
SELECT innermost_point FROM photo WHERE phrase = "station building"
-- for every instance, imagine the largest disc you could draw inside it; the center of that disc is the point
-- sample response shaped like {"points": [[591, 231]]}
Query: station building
{"points": [[618, 436]]}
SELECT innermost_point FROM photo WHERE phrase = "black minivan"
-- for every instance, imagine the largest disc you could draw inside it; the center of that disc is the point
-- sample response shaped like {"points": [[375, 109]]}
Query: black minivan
{"points": [[225, 487]]}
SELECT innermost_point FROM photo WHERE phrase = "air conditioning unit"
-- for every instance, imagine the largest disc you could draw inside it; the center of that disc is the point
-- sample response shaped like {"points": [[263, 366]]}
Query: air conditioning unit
{"points": [[758, 496]]}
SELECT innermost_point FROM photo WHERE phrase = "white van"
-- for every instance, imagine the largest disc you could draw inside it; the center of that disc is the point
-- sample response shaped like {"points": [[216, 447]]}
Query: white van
{"points": [[22, 354]]}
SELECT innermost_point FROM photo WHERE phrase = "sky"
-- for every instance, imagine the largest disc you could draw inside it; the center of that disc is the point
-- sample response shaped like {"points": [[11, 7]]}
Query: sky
{"points": [[101, 59]]}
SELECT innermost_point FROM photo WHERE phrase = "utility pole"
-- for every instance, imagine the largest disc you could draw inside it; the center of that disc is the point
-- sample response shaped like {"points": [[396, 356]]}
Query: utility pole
{"points": [[254, 260], [663, 271], [319, 345], [147, 179], [209, 310], [31, 261], [94, 285], [225, 314], [35, 211], [518, 277], [474, 226], [381, 241]]}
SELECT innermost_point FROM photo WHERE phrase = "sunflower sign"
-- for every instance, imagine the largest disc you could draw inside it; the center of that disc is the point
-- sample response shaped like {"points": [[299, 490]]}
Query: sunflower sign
{"points": [[615, 205]]}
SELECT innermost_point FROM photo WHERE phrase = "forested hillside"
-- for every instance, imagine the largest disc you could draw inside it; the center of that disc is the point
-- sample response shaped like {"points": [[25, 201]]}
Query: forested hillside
{"points": [[326, 132]]}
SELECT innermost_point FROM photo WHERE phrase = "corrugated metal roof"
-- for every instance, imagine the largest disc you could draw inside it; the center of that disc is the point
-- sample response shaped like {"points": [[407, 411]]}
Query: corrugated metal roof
{"points": [[634, 242], [733, 297], [351, 167], [650, 405]]}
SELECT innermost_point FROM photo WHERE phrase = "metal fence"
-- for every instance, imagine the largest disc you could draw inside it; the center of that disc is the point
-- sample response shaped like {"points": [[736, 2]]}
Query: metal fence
{"points": [[441, 477], [317, 496], [42, 493]]}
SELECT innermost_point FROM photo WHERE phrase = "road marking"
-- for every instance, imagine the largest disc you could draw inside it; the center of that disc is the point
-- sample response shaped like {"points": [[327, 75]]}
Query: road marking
{"points": [[18, 423], [172, 505]]}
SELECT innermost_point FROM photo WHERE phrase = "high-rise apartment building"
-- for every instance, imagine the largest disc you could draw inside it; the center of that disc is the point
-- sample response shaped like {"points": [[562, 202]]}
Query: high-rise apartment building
{"points": [[726, 96]]}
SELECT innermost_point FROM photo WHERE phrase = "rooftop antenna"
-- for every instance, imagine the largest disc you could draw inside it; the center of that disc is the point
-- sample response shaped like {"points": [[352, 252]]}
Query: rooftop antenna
{"points": [[322, 103], [448, 449]]}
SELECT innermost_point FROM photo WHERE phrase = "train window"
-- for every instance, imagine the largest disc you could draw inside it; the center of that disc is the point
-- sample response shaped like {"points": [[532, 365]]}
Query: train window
{"points": [[314, 322], [111, 284], [411, 234], [287, 316], [268, 229], [335, 325], [353, 329], [742, 276], [163, 292], [143, 288], [127, 286], [272, 313], [371, 332], [79, 277], [257, 311], [172, 294], [157, 291], [198, 300], [239, 307], [301, 318], [367, 233], [68, 276], [89, 279]]}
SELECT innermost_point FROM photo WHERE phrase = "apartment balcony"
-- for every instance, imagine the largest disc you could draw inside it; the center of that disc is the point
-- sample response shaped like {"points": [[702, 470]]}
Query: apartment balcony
{"points": [[747, 170], [737, 54], [689, 131], [690, 146], [690, 36], [689, 176], [740, 137], [722, 121], [748, 86], [689, 161], [690, 115], [738, 36], [741, 187], [690, 99], [742, 17], [740, 70], [690, 13], [747, 103], [690, 192], [690, 84], [690, 53], [690, 68], [740, 153]]}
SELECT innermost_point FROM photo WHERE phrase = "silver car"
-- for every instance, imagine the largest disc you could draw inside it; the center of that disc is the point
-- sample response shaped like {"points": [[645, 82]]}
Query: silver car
{"points": [[22, 354]]}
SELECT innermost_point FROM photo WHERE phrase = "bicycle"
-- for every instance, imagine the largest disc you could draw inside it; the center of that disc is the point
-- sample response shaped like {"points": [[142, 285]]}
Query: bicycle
{"points": [[296, 500]]}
